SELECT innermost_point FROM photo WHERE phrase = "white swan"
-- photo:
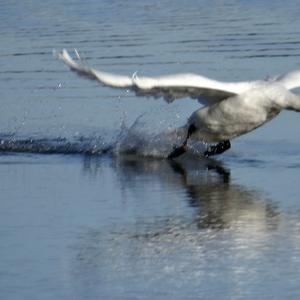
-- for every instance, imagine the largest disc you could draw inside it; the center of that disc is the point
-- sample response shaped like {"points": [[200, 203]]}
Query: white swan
{"points": [[230, 109]]}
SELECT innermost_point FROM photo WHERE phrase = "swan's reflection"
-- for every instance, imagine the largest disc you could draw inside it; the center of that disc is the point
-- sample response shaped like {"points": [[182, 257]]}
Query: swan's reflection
{"points": [[187, 221], [218, 202]]}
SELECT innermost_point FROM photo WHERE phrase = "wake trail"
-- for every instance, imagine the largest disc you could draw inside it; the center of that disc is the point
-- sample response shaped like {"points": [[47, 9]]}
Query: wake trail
{"points": [[134, 140]]}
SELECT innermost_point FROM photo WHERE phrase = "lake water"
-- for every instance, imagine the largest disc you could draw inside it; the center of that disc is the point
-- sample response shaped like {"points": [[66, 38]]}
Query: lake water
{"points": [[78, 222]]}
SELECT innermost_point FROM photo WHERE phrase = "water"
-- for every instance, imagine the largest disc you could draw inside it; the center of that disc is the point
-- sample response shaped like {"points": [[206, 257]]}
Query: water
{"points": [[90, 209]]}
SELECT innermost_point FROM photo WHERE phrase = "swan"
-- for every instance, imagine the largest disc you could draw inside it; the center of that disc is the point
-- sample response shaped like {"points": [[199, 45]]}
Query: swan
{"points": [[230, 109]]}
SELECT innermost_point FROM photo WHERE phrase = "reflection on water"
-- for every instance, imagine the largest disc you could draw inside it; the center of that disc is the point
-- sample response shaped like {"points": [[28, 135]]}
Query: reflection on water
{"points": [[127, 227], [221, 238], [222, 204], [205, 184]]}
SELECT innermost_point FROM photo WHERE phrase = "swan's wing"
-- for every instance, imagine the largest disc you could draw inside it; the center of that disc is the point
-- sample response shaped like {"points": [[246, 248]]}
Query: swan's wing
{"points": [[205, 90], [289, 80]]}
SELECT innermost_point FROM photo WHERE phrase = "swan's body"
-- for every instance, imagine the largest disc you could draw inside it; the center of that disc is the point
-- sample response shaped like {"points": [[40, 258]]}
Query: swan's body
{"points": [[230, 109], [238, 114]]}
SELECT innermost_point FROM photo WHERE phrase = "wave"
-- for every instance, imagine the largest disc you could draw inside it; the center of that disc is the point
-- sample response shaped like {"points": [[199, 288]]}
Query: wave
{"points": [[34, 144], [134, 140]]}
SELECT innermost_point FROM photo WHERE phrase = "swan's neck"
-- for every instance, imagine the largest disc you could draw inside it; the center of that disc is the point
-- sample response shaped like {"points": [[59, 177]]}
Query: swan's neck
{"points": [[293, 102]]}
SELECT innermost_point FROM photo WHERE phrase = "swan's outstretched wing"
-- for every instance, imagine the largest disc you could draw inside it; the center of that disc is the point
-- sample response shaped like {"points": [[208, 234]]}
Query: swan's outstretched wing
{"points": [[205, 90], [290, 80]]}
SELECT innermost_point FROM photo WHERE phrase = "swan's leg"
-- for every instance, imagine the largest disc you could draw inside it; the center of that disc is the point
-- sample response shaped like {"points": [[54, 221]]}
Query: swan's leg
{"points": [[217, 149], [183, 148]]}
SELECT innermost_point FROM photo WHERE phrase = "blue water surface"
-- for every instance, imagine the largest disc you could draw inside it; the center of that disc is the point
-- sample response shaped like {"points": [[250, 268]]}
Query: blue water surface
{"points": [[79, 219]]}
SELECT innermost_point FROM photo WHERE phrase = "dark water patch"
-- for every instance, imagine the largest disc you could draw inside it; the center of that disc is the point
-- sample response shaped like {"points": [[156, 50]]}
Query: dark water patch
{"points": [[54, 145], [114, 57], [294, 166], [263, 56], [25, 53]]}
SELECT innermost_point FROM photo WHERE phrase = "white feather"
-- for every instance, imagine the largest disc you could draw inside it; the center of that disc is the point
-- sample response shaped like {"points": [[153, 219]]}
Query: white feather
{"points": [[232, 109], [290, 80], [171, 87]]}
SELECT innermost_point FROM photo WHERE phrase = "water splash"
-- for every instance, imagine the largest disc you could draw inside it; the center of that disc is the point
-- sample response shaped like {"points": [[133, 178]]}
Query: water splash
{"points": [[139, 139]]}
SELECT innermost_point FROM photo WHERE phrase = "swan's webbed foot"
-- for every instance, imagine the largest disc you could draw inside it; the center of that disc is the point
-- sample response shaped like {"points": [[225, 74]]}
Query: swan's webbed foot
{"points": [[177, 151], [217, 149]]}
